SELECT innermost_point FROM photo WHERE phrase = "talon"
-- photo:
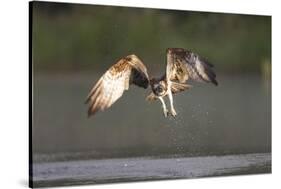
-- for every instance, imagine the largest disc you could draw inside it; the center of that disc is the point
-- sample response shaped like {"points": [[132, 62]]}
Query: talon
{"points": [[173, 112]]}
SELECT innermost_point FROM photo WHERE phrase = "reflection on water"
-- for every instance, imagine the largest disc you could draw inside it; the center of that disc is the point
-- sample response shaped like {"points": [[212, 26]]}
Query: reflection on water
{"points": [[234, 117]]}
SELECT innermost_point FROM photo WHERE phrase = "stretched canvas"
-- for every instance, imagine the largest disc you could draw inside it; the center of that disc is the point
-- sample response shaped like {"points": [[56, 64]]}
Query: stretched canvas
{"points": [[121, 94]]}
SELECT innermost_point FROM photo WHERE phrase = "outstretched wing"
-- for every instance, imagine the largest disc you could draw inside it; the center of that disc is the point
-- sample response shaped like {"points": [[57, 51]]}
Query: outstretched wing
{"points": [[115, 80], [183, 65]]}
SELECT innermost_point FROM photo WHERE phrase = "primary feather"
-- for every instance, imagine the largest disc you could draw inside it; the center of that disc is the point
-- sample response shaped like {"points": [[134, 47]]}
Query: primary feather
{"points": [[183, 64], [115, 81]]}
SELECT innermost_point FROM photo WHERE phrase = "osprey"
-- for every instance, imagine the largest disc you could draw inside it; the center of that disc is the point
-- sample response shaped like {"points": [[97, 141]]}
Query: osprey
{"points": [[181, 65]]}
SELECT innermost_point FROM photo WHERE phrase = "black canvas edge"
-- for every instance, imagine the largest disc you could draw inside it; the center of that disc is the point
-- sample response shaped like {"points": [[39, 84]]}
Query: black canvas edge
{"points": [[152, 8], [30, 93]]}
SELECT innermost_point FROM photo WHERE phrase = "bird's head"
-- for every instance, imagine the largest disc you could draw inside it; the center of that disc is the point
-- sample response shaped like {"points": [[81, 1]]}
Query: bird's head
{"points": [[159, 88]]}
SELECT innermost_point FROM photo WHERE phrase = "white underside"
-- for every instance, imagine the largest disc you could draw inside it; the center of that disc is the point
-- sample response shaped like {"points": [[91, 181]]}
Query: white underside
{"points": [[170, 96]]}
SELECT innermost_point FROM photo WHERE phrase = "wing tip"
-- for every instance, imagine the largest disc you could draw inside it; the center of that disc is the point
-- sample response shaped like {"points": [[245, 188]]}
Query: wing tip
{"points": [[89, 115], [87, 100], [214, 81], [92, 112]]}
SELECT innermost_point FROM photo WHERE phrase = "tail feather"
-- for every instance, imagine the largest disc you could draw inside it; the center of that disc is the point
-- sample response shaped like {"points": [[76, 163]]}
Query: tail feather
{"points": [[151, 97]]}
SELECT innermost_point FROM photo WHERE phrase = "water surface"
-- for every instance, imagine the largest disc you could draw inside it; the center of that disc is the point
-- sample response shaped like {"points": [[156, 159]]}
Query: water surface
{"points": [[137, 169], [234, 117]]}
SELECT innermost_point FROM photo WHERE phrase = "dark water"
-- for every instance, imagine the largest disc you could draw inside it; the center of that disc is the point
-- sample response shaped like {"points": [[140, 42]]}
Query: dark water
{"points": [[234, 117], [133, 141], [137, 169]]}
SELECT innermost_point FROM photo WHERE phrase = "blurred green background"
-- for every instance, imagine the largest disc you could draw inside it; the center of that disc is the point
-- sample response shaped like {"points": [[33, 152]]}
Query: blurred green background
{"points": [[74, 44], [81, 37]]}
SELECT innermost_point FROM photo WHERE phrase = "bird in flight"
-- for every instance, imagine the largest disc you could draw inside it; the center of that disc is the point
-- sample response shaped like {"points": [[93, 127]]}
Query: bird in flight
{"points": [[182, 65]]}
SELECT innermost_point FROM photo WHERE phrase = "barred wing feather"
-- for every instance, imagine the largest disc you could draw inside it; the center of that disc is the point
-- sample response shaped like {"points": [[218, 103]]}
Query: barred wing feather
{"points": [[183, 65], [111, 86]]}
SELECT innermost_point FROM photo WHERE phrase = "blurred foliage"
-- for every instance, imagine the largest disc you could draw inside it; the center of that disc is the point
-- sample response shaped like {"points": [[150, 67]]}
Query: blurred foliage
{"points": [[88, 37]]}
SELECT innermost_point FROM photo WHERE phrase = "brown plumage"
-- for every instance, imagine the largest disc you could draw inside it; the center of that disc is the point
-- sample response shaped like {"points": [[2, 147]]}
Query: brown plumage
{"points": [[182, 65], [115, 80]]}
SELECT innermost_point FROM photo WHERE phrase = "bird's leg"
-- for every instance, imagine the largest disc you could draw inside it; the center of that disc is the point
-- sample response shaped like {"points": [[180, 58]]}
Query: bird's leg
{"points": [[165, 110], [173, 111]]}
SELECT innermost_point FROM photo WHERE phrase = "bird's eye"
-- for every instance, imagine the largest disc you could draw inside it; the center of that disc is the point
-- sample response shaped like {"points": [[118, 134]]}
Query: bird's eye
{"points": [[160, 89]]}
